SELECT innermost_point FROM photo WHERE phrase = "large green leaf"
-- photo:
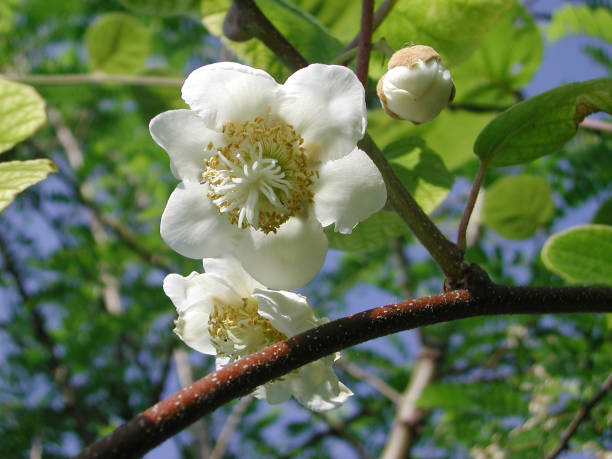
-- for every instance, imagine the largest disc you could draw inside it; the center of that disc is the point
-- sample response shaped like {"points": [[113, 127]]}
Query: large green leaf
{"points": [[16, 176], [117, 43], [163, 7], [581, 255], [516, 206], [507, 59], [453, 27], [369, 234], [22, 112], [304, 32], [542, 124], [421, 171], [571, 20], [451, 134]]}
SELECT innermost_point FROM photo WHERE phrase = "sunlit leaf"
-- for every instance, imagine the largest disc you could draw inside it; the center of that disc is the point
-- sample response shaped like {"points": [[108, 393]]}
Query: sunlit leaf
{"points": [[571, 20], [369, 234], [581, 255], [117, 43], [516, 206], [451, 135], [507, 59], [22, 112], [16, 176], [542, 124], [421, 171], [454, 28]]}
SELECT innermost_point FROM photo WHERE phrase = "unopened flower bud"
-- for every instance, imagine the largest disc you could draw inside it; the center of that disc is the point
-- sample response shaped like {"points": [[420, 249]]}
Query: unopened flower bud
{"points": [[417, 86]]}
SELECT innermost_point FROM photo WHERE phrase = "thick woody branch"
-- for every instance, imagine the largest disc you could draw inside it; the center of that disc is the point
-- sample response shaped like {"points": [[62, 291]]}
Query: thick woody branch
{"points": [[173, 414]]}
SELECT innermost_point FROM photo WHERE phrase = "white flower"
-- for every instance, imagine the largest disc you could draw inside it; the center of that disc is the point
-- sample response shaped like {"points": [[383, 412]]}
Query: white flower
{"points": [[225, 312], [264, 166], [417, 86]]}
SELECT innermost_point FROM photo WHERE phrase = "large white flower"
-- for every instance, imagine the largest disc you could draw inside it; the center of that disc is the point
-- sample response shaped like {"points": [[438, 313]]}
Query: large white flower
{"points": [[225, 312], [264, 166]]}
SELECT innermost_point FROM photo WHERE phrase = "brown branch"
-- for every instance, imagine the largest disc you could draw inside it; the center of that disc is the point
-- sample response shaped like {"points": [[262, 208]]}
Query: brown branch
{"points": [[582, 414], [484, 298], [365, 41]]}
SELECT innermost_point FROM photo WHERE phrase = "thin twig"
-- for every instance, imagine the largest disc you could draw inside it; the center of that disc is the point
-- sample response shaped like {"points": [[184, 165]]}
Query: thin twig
{"points": [[95, 78], [365, 41], [229, 427], [484, 298], [596, 125], [373, 380], [469, 206], [582, 415]]}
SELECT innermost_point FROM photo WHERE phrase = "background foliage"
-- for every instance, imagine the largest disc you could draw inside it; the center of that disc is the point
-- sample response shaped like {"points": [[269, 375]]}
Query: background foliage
{"points": [[85, 335]]}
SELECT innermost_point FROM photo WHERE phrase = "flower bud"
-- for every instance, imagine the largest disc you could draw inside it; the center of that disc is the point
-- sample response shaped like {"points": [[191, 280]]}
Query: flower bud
{"points": [[417, 86]]}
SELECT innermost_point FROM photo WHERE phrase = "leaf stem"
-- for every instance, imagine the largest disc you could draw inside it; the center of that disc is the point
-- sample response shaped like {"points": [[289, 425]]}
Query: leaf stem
{"points": [[469, 206]]}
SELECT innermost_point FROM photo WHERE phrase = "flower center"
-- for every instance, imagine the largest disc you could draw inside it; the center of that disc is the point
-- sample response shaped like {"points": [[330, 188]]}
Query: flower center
{"points": [[262, 176], [238, 330]]}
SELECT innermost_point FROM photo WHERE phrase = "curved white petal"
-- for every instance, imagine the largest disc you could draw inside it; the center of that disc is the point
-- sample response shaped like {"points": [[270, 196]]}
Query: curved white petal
{"points": [[229, 268], [210, 288], [288, 312], [317, 387], [193, 226], [288, 259], [326, 105], [192, 327], [185, 138], [227, 91], [349, 190]]}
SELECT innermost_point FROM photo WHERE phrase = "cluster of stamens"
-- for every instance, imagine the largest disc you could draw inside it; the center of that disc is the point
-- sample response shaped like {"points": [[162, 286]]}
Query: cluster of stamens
{"points": [[262, 176], [238, 330]]}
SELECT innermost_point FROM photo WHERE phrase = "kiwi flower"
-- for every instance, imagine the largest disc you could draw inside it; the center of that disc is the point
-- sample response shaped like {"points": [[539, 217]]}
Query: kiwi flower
{"points": [[264, 167], [226, 313]]}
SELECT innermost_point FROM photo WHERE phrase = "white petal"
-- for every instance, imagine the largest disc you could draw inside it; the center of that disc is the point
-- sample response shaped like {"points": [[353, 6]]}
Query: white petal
{"points": [[230, 269], [415, 80], [192, 327], [273, 392], [317, 387], [227, 91], [288, 259], [326, 105], [288, 312], [185, 137], [349, 190], [193, 226], [196, 288]]}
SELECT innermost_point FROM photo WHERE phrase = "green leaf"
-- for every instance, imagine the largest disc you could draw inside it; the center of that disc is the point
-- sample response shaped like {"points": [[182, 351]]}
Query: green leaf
{"points": [[604, 214], [163, 7], [337, 17], [542, 124], [308, 36], [454, 28], [571, 20], [421, 171], [16, 176], [22, 112], [507, 59], [451, 134], [516, 206], [117, 43], [581, 255], [369, 234]]}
